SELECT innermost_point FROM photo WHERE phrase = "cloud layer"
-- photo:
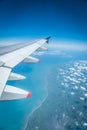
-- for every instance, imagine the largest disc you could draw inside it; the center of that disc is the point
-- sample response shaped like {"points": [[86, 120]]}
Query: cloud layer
{"points": [[69, 45]]}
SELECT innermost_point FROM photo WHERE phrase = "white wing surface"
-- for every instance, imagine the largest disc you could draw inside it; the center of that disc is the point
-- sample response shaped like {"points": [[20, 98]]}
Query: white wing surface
{"points": [[9, 58]]}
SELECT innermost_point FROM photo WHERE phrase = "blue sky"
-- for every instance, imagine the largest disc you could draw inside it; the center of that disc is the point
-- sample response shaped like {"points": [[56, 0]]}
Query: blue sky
{"points": [[64, 19]]}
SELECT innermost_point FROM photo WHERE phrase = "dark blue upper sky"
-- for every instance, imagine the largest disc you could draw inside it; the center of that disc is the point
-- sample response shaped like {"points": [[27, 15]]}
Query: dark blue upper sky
{"points": [[40, 18]]}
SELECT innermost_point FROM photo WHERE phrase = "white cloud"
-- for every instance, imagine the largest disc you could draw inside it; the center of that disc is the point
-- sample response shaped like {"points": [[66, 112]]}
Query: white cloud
{"points": [[53, 53], [61, 48], [69, 45], [39, 53]]}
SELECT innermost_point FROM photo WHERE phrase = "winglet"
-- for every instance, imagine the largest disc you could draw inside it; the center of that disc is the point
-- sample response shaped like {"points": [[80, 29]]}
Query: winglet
{"points": [[48, 39]]}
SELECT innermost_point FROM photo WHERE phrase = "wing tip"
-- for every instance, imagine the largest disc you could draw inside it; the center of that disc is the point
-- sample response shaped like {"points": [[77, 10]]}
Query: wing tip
{"points": [[47, 39]]}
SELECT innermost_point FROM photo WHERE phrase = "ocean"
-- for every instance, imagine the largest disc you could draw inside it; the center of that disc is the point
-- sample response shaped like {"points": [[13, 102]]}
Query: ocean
{"points": [[14, 115]]}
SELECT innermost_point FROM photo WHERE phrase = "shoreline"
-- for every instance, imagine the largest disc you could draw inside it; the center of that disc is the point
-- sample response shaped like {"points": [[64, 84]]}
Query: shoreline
{"points": [[39, 104], [35, 110], [46, 79]]}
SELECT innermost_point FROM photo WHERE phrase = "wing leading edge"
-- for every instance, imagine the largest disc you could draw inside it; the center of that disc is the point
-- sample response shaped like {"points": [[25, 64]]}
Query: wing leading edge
{"points": [[8, 61]]}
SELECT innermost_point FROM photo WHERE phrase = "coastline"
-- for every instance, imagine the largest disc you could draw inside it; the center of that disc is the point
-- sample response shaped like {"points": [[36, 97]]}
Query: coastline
{"points": [[35, 110], [40, 103], [60, 108]]}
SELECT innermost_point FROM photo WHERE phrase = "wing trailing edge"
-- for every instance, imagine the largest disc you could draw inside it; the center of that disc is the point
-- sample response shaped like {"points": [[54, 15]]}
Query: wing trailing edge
{"points": [[30, 59], [43, 49]]}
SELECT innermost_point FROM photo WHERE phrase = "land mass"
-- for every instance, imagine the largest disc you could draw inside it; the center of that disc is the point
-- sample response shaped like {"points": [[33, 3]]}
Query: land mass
{"points": [[65, 108]]}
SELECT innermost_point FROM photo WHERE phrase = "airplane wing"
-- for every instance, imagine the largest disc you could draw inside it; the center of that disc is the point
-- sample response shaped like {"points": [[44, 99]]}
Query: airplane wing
{"points": [[9, 59]]}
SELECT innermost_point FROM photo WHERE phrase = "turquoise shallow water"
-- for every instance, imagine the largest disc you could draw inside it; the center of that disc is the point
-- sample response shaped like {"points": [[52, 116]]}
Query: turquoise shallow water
{"points": [[14, 114]]}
